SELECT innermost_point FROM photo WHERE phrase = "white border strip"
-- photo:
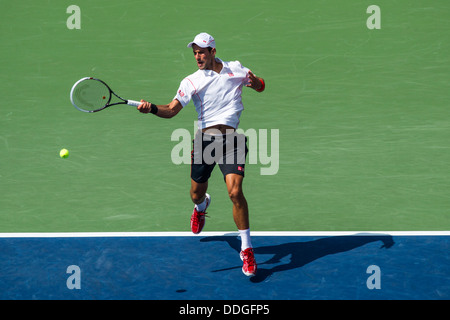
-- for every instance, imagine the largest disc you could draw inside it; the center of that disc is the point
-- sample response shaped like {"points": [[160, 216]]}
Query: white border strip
{"points": [[218, 233]]}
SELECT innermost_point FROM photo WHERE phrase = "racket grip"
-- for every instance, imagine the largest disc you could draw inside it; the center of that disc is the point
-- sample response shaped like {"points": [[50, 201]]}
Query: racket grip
{"points": [[133, 103]]}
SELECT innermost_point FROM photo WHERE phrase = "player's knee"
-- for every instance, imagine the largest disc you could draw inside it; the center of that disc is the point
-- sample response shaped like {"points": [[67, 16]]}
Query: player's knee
{"points": [[236, 195]]}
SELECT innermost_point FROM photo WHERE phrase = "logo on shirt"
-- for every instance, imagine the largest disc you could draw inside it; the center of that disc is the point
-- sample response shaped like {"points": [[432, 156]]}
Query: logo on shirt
{"points": [[181, 93], [231, 74]]}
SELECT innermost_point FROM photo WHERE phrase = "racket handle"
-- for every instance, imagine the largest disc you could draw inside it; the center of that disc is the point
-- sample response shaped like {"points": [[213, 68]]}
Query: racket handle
{"points": [[133, 103]]}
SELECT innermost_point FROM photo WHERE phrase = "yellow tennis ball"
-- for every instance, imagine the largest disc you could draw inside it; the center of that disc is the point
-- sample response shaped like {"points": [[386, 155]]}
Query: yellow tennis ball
{"points": [[64, 153]]}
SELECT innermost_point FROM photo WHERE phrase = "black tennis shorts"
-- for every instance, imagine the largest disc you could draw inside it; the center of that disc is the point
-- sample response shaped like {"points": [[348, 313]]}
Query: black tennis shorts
{"points": [[228, 151]]}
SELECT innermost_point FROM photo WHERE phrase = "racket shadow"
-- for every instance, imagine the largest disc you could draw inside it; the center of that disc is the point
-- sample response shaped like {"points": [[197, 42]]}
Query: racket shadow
{"points": [[300, 253]]}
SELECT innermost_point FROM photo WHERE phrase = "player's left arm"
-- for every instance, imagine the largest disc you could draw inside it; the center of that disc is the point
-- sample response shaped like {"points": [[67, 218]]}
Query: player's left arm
{"points": [[256, 83]]}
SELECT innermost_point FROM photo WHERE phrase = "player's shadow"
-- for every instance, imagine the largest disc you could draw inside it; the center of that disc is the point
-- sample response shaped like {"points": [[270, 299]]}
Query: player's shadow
{"points": [[301, 253]]}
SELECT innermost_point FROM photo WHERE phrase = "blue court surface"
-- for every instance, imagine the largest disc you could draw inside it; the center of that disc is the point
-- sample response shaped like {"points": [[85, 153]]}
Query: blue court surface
{"points": [[179, 266]]}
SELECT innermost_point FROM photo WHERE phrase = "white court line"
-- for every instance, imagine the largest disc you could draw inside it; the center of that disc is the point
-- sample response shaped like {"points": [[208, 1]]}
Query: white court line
{"points": [[217, 233]]}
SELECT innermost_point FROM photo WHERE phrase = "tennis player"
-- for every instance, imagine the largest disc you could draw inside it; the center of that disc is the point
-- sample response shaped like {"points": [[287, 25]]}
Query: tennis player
{"points": [[215, 89]]}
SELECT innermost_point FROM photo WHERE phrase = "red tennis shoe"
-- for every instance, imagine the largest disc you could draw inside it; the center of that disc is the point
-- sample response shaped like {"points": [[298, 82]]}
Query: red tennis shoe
{"points": [[249, 267], [198, 217]]}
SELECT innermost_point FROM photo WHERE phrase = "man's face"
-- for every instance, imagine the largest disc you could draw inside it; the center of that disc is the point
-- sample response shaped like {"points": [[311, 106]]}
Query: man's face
{"points": [[203, 57]]}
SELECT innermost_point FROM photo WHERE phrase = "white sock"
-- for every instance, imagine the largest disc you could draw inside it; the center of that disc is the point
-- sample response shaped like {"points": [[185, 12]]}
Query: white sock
{"points": [[201, 206], [246, 242]]}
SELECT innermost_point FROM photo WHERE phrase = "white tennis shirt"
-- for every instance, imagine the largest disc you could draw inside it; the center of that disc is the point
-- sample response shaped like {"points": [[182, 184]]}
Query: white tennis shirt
{"points": [[216, 96]]}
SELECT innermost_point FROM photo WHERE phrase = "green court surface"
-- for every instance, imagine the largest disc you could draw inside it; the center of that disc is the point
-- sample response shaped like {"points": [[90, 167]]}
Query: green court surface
{"points": [[363, 114]]}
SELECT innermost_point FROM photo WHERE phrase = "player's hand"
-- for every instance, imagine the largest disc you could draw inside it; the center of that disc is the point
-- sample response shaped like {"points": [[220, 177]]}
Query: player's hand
{"points": [[254, 81], [144, 107]]}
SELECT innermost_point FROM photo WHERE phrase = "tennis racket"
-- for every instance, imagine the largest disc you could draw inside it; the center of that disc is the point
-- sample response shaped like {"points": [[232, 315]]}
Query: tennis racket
{"points": [[92, 95]]}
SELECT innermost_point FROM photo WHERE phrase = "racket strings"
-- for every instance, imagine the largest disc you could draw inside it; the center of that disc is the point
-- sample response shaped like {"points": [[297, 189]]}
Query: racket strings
{"points": [[91, 95]]}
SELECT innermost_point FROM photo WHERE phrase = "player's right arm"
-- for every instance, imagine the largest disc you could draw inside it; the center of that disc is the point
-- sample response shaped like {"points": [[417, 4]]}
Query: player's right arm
{"points": [[181, 99], [163, 111]]}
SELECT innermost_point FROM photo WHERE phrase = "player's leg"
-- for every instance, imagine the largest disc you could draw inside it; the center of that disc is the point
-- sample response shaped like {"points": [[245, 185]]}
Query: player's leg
{"points": [[233, 168], [200, 173], [198, 192], [240, 206], [201, 200], [241, 219]]}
